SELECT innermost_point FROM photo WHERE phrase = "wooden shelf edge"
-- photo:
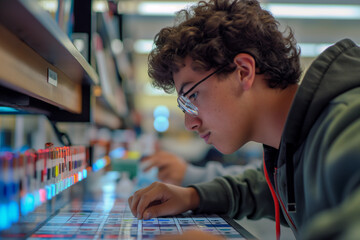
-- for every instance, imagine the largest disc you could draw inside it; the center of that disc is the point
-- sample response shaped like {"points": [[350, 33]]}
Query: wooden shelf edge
{"points": [[38, 30]]}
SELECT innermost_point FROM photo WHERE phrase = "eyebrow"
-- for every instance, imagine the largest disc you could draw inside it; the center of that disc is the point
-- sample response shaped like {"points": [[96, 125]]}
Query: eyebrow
{"points": [[182, 87], [202, 80]]}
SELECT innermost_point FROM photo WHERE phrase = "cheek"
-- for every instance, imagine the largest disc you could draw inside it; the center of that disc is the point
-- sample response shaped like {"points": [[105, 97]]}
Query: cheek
{"points": [[229, 127], [223, 126], [224, 109]]}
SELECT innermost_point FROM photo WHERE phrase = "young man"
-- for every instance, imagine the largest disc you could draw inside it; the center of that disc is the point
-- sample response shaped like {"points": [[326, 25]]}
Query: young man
{"points": [[237, 79]]}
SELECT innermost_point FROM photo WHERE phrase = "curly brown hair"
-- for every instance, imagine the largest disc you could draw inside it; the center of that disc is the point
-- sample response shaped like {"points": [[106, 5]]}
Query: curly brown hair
{"points": [[213, 33]]}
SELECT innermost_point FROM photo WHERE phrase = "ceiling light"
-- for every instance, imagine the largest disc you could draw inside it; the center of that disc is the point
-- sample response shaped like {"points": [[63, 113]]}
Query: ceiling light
{"points": [[100, 6], [313, 49], [161, 8], [49, 5], [144, 46], [314, 11], [279, 10]]}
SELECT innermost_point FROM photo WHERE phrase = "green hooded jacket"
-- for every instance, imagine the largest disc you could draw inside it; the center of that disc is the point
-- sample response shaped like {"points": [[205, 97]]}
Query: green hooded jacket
{"points": [[316, 170]]}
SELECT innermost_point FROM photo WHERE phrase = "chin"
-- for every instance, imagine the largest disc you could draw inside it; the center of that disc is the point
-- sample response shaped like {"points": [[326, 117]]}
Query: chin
{"points": [[225, 150]]}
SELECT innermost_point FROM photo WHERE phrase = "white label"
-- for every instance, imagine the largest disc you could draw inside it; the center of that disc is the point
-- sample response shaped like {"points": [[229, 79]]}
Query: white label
{"points": [[52, 77]]}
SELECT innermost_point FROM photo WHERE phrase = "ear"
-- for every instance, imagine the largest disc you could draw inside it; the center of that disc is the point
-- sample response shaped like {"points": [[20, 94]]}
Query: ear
{"points": [[245, 65]]}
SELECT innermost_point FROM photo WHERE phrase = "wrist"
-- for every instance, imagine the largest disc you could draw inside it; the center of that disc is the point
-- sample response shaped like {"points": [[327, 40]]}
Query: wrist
{"points": [[194, 198]]}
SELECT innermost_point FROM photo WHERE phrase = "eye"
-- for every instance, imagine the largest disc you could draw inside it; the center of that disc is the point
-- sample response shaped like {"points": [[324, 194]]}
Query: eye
{"points": [[193, 96]]}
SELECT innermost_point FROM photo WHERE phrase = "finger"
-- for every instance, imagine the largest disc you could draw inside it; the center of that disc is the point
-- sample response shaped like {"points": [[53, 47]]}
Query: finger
{"points": [[130, 201], [164, 209], [133, 204], [135, 198], [149, 198]]}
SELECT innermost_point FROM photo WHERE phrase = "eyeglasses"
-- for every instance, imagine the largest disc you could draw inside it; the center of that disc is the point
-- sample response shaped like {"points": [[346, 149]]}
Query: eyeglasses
{"points": [[184, 102]]}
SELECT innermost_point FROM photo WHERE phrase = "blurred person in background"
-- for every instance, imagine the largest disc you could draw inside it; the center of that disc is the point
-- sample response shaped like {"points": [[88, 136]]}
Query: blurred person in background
{"points": [[176, 170]]}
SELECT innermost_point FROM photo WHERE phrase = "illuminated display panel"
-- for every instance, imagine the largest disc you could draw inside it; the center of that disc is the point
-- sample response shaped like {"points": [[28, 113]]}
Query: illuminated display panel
{"points": [[113, 220]]}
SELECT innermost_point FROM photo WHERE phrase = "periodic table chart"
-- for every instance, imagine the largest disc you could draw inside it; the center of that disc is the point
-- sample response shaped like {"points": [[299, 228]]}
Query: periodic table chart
{"points": [[114, 220]]}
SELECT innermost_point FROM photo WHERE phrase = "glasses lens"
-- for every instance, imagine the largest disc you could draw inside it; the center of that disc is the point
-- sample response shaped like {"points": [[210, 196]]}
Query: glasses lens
{"points": [[186, 106]]}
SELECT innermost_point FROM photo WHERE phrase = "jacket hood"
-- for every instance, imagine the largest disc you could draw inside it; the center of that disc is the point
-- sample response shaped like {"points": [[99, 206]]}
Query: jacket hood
{"points": [[334, 72]]}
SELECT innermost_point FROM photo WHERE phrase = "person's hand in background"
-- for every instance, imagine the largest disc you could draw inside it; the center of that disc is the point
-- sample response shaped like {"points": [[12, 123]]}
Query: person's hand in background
{"points": [[172, 168]]}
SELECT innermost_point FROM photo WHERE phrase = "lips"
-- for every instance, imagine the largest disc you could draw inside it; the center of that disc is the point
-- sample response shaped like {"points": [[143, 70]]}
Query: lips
{"points": [[205, 137]]}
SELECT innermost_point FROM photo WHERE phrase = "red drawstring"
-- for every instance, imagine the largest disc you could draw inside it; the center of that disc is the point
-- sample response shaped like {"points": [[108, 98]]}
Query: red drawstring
{"points": [[276, 202]]}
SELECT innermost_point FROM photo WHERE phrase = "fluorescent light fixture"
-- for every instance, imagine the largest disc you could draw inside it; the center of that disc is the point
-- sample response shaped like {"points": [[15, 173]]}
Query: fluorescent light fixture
{"points": [[161, 8], [279, 10], [79, 44], [150, 90], [144, 46], [313, 49], [117, 46], [100, 6], [49, 5], [314, 11]]}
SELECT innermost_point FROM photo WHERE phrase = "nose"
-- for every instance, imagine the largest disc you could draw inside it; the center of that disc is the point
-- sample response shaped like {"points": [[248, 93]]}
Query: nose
{"points": [[192, 123]]}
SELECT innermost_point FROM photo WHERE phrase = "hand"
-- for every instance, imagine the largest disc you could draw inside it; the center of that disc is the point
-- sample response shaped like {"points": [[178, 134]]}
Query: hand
{"points": [[171, 167], [160, 199], [190, 235]]}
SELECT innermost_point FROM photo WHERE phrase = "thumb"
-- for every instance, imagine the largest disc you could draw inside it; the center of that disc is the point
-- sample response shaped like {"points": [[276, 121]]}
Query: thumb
{"points": [[163, 209]]}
